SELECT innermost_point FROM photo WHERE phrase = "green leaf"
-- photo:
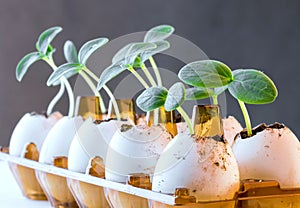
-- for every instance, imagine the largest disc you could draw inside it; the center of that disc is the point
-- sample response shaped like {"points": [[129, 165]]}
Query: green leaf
{"points": [[152, 98], [70, 52], [158, 33], [50, 51], [120, 55], [25, 63], [220, 90], [137, 62], [206, 74], [176, 96], [89, 48], [252, 87], [109, 73], [160, 47], [66, 70], [46, 38], [128, 53], [196, 93]]}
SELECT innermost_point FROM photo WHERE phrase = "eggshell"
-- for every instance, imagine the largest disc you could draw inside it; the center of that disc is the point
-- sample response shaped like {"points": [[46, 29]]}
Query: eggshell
{"points": [[134, 151], [59, 138], [91, 140], [31, 128], [206, 167], [231, 128], [272, 154]]}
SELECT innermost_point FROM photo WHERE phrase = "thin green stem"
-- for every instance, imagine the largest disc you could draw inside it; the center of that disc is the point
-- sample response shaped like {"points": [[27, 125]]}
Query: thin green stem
{"points": [[107, 90], [56, 98], [67, 85], [215, 99], [156, 71], [186, 118], [148, 75], [142, 81], [114, 102], [70, 95], [94, 89], [246, 117]]}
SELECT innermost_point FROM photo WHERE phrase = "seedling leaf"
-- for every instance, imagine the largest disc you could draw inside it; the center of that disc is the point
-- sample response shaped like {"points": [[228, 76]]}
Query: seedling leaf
{"points": [[128, 53], [46, 38], [158, 33], [196, 93], [66, 70], [176, 96], [25, 63], [206, 74], [109, 73], [152, 98], [70, 52], [252, 87], [89, 48], [160, 47]]}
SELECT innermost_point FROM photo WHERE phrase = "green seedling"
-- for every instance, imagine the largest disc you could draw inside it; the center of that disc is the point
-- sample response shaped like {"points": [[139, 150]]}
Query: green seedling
{"points": [[156, 35], [247, 86], [172, 99], [134, 55], [76, 64], [45, 52]]}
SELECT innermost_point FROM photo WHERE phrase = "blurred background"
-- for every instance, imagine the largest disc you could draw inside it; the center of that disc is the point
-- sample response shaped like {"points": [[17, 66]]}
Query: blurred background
{"points": [[243, 34]]}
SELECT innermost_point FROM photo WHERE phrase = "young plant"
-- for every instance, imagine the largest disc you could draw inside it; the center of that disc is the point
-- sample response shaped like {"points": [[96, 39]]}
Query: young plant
{"points": [[134, 55], [45, 52], [209, 78], [156, 35], [123, 60], [155, 97], [248, 86], [77, 65]]}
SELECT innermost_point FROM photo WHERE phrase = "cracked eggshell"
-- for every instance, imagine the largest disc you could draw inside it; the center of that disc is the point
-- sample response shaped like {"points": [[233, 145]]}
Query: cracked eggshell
{"points": [[91, 140], [206, 167], [31, 128], [231, 128], [272, 154], [58, 140], [135, 150]]}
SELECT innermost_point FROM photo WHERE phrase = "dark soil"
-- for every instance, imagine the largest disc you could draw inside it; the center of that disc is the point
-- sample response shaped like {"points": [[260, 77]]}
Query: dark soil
{"points": [[261, 128]]}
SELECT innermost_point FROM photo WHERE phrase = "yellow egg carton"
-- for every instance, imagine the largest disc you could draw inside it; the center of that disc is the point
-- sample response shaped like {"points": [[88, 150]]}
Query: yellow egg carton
{"points": [[253, 193]]}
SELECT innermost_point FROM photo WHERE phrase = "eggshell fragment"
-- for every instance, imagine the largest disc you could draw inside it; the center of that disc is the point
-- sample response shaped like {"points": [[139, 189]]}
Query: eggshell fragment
{"points": [[59, 138], [206, 167], [31, 128], [231, 128], [134, 150], [271, 154], [91, 140]]}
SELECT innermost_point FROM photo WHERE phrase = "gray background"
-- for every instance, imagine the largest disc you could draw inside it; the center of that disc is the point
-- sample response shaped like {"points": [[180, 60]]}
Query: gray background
{"points": [[258, 34]]}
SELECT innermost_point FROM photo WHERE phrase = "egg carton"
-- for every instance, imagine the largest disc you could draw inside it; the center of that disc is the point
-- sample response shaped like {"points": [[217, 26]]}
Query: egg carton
{"points": [[253, 193]]}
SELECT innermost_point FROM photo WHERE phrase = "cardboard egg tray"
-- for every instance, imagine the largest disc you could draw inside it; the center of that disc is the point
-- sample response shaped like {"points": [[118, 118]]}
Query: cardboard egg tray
{"points": [[253, 193]]}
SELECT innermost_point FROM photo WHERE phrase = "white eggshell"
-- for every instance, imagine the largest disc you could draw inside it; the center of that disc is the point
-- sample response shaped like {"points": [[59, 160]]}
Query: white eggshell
{"points": [[231, 128], [31, 128], [58, 140], [91, 140], [206, 167], [272, 154], [134, 151]]}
